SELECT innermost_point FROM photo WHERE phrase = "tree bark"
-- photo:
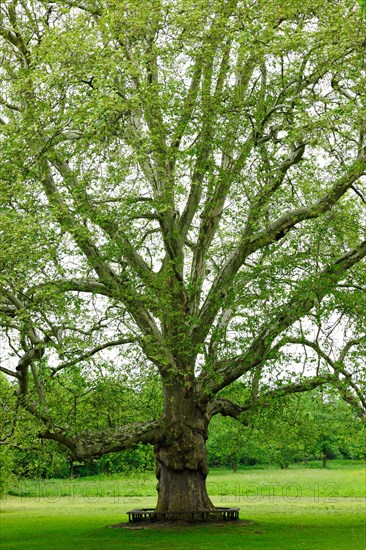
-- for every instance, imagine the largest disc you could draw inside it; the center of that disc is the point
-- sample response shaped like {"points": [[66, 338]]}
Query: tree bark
{"points": [[181, 457]]}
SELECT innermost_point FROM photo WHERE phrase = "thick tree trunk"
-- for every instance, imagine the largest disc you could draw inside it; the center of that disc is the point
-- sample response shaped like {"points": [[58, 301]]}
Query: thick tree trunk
{"points": [[181, 457]]}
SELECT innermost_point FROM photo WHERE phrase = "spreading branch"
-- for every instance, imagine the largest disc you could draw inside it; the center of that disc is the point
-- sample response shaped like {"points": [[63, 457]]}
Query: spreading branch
{"points": [[274, 232], [309, 293], [108, 441]]}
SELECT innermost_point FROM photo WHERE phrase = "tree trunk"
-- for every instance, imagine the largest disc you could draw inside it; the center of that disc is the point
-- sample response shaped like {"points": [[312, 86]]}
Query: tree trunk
{"points": [[181, 457], [324, 460]]}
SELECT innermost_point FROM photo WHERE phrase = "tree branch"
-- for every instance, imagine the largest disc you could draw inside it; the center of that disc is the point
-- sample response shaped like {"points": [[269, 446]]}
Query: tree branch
{"points": [[310, 292], [90, 353], [9, 372], [109, 226], [225, 407], [273, 232], [119, 287], [87, 7], [16, 40], [338, 367], [87, 445], [88, 285]]}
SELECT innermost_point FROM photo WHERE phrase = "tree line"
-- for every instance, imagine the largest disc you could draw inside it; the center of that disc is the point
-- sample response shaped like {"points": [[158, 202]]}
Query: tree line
{"points": [[302, 429]]}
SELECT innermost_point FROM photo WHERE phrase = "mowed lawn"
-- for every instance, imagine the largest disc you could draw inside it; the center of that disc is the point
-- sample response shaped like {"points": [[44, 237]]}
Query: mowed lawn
{"points": [[288, 510]]}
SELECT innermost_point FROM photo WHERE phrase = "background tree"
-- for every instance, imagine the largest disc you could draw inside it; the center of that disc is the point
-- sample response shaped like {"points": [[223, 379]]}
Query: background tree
{"points": [[7, 408], [182, 189], [83, 406], [336, 433], [363, 7], [314, 426]]}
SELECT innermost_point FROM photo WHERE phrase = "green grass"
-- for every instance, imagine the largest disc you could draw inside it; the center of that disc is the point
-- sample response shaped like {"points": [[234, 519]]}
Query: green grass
{"points": [[286, 509], [243, 485]]}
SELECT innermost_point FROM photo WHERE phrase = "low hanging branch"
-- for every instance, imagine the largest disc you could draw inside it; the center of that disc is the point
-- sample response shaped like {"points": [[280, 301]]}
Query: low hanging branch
{"points": [[107, 441]]}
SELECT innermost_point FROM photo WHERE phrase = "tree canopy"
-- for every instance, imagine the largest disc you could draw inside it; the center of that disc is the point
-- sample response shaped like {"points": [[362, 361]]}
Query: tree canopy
{"points": [[182, 190]]}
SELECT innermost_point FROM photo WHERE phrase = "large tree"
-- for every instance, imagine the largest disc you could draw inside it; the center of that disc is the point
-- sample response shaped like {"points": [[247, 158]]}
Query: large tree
{"points": [[183, 193]]}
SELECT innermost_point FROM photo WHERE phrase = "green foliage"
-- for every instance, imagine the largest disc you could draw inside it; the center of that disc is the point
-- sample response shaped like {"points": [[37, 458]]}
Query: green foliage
{"points": [[298, 429], [134, 460], [7, 476], [86, 406], [7, 466]]}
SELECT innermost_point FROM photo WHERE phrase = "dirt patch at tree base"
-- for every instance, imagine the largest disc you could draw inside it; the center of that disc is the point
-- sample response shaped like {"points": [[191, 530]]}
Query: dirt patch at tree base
{"points": [[174, 524]]}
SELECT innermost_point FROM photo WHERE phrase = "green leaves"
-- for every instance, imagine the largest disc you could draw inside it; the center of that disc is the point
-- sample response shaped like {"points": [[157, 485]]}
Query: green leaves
{"points": [[295, 429], [363, 7]]}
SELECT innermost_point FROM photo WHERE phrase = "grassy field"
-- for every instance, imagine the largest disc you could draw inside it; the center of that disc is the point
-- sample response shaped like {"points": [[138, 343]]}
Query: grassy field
{"points": [[285, 509]]}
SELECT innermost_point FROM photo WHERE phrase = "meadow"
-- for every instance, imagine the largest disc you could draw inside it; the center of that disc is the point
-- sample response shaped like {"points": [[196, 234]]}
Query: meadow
{"points": [[298, 508]]}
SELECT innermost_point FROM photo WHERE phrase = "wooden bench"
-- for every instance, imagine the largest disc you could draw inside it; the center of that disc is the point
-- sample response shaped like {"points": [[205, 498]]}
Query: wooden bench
{"points": [[150, 515]]}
